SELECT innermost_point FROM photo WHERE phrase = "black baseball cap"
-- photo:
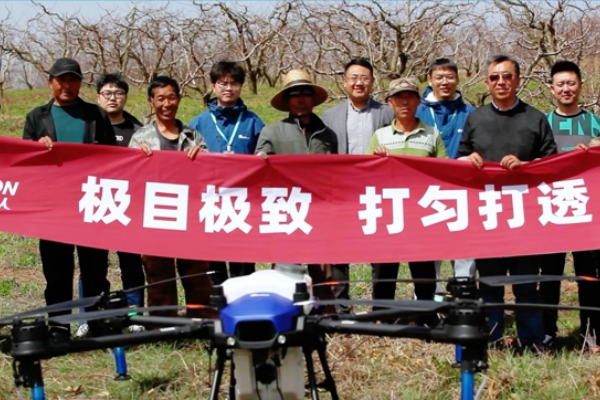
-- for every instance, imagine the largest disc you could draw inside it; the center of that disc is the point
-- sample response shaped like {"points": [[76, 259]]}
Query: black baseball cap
{"points": [[65, 66]]}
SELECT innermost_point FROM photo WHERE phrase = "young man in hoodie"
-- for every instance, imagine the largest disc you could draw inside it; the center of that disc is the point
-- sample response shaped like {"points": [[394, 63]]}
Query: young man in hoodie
{"points": [[442, 107], [228, 127]]}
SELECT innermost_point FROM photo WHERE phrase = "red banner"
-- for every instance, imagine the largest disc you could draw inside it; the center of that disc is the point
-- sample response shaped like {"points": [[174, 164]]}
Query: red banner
{"points": [[312, 209]]}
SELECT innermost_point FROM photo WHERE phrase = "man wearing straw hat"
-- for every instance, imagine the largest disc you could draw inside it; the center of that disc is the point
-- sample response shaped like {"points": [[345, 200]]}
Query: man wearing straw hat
{"points": [[301, 132]]}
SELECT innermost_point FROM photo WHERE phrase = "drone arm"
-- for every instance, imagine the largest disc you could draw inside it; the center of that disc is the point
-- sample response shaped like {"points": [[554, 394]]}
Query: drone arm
{"points": [[151, 321], [383, 315], [197, 330], [366, 328]]}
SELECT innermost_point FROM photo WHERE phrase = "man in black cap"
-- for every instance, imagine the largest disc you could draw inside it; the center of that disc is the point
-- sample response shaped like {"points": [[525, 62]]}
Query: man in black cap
{"points": [[67, 118]]}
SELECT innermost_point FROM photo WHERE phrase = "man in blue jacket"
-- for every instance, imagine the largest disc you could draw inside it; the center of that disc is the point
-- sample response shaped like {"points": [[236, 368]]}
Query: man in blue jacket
{"points": [[228, 127], [442, 107]]}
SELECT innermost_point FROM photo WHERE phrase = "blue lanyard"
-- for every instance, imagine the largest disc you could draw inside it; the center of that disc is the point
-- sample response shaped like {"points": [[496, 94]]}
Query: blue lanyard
{"points": [[448, 124], [235, 128]]}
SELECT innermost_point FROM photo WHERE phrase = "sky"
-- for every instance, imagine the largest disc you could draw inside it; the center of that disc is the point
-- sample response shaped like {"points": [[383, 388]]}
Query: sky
{"points": [[22, 10]]}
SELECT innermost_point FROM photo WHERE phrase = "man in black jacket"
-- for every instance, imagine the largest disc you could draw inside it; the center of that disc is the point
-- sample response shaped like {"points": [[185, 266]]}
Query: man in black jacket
{"points": [[67, 118], [510, 132], [112, 92]]}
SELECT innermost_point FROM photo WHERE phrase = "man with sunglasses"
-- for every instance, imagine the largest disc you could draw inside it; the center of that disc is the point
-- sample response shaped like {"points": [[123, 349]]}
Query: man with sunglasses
{"points": [[354, 120], [509, 132], [228, 127]]}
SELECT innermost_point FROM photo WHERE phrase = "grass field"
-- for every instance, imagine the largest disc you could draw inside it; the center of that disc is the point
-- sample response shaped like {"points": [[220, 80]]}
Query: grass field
{"points": [[364, 368]]}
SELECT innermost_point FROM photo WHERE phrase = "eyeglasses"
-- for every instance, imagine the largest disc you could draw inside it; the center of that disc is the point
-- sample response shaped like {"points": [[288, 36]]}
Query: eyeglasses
{"points": [[225, 84], [507, 76], [448, 77], [107, 94], [362, 78]]}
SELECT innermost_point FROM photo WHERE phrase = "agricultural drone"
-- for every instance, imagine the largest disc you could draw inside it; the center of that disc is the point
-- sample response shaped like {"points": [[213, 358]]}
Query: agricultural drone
{"points": [[265, 331]]}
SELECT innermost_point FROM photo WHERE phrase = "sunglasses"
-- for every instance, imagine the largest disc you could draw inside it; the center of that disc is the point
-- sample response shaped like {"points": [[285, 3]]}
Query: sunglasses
{"points": [[507, 76]]}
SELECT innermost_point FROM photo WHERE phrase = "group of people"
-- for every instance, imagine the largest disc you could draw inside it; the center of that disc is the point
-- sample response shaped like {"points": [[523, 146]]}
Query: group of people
{"points": [[437, 123]]}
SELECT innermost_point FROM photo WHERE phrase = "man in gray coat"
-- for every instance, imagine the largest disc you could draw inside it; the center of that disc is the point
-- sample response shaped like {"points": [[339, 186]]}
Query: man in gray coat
{"points": [[354, 120]]}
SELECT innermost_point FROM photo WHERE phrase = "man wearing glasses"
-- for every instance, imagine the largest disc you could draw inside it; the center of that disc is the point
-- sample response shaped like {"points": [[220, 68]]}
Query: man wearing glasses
{"points": [[228, 127], [509, 132], [442, 107], [354, 120], [112, 97]]}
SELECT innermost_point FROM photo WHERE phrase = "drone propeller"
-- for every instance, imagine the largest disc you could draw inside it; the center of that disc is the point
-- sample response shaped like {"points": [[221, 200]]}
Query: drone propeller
{"points": [[414, 306], [134, 289], [400, 280], [398, 308], [58, 307], [541, 307], [121, 312], [500, 280], [87, 301]]}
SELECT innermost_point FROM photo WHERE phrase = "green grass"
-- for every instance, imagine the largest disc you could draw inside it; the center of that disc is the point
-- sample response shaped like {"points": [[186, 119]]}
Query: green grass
{"points": [[364, 368]]}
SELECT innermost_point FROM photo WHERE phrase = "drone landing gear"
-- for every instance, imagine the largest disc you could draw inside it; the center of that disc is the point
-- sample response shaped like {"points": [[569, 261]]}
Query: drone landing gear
{"points": [[329, 383], [461, 288], [28, 373], [466, 325], [119, 354], [470, 364], [220, 367]]}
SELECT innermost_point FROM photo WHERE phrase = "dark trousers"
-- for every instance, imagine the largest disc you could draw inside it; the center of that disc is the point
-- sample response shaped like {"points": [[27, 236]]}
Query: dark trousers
{"points": [[551, 264], [132, 275], [530, 324], [418, 270], [423, 291], [341, 272], [235, 268], [587, 263], [58, 266], [197, 289]]}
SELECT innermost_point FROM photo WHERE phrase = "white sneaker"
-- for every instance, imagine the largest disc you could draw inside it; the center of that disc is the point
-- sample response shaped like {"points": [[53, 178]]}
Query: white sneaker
{"points": [[82, 331], [136, 328]]}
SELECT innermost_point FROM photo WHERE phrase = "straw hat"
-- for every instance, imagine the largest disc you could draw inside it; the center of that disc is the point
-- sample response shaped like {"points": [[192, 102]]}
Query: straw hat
{"points": [[298, 77]]}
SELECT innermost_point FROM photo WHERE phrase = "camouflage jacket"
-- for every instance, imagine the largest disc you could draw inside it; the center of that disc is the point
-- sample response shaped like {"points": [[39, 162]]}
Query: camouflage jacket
{"points": [[187, 137]]}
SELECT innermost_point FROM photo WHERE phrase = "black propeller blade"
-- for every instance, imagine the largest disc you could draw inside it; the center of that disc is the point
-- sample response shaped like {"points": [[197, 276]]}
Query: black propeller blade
{"points": [[58, 307], [122, 312], [533, 307], [502, 280], [134, 289], [101, 314], [425, 306], [401, 280]]}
